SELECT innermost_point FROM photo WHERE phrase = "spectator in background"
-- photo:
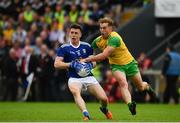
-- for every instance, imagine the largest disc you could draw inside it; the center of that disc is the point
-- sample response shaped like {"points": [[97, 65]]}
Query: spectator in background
{"points": [[19, 35], [48, 15], [27, 65], [33, 33], [44, 34], [85, 13], [55, 34], [59, 16], [171, 72], [8, 33], [28, 15], [21, 22], [37, 46], [17, 48], [45, 73], [74, 13], [144, 62], [11, 76], [27, 42]]}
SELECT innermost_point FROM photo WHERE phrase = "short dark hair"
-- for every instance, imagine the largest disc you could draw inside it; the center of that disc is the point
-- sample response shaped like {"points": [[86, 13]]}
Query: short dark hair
{"points": [[107, 20], [76, 26]]}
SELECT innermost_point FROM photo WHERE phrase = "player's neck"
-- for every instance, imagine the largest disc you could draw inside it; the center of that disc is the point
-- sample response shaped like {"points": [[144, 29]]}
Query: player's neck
{"points": [[75, 44]]}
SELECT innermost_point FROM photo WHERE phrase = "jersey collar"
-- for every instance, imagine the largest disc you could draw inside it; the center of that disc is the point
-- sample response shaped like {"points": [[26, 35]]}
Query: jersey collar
{"points": [[75, 46]]}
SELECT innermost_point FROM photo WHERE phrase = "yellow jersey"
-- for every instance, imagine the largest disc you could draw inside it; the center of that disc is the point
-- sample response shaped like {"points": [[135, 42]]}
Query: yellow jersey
{"points": [[121, 54]]}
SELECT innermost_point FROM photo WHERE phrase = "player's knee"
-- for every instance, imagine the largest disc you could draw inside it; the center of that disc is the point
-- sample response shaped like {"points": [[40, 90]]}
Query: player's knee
{"points": [[75, 92], [104, 99], [142, 87]]}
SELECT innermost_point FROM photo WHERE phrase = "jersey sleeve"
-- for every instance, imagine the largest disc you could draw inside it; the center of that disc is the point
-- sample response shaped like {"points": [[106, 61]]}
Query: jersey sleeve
{"points": [[94, 46], [60, 52], [114, 42]]}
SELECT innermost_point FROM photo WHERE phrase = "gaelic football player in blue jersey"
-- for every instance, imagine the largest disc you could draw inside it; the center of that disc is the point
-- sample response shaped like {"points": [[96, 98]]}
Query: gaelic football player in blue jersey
{"points": [[67, 58]]}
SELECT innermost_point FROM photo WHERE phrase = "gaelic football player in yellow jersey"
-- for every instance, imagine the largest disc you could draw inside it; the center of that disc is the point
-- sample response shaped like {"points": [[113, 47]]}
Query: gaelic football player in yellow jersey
{"points": [[122, 62]]}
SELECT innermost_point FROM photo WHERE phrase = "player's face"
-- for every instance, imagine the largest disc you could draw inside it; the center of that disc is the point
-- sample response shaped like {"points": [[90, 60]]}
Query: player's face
{"points": [[105, 29], [75, 35]]}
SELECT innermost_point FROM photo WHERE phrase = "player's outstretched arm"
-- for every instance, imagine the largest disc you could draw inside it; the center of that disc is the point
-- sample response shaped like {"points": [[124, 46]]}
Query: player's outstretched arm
{"points": [[59, 64], [107, 52]]}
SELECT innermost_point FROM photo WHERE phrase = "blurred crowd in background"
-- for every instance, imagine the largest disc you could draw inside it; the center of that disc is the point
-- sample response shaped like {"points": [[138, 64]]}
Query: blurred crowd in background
{"points": [[30, 33]]}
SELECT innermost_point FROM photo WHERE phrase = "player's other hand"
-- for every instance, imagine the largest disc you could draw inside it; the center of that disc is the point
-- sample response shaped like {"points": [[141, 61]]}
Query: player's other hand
{"points": [[76, 65]]}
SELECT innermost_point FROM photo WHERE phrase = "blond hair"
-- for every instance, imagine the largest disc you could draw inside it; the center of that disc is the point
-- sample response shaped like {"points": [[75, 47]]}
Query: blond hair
{"points": [[107, 20]]}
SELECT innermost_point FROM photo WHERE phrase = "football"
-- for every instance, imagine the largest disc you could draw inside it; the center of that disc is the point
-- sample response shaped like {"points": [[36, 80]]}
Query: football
{"points": [[83, 72]]}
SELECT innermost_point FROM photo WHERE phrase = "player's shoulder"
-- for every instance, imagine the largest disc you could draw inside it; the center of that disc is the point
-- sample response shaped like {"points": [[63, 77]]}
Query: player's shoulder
{"points": [[85, 44], [65, 45], [115, 36]]}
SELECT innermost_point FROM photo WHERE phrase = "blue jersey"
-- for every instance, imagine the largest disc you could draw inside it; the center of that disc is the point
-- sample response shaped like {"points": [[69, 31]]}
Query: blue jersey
{"points": [[70, 53]]}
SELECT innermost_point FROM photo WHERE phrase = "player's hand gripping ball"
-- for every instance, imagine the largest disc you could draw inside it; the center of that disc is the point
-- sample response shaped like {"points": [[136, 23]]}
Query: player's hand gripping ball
{"points": [[82, 69], [86, 69]]}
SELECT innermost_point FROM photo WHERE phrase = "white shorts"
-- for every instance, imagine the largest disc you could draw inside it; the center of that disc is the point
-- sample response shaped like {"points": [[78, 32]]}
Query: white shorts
{"points": [[86, 81]]}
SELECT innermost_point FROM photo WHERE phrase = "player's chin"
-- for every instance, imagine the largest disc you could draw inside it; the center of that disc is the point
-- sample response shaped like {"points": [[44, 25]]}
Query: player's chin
{"points": [[103, 34]]}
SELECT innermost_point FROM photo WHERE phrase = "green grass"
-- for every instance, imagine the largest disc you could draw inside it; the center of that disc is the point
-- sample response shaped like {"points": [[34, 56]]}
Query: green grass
{"points": [[67, 112]]}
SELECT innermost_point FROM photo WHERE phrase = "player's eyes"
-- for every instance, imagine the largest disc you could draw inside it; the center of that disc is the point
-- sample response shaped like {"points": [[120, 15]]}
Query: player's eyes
{"points": [[74, 33], [103, 27]]}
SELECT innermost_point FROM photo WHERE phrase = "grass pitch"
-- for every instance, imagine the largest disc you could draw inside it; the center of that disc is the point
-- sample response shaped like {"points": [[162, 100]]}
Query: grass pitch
{"points": [[68, 112]]}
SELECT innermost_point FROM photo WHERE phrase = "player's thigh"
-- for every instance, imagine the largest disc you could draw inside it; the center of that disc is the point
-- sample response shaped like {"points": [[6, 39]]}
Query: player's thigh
{"points": [[137, 80], [121, 78], [75, 87], [97, 91]]}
